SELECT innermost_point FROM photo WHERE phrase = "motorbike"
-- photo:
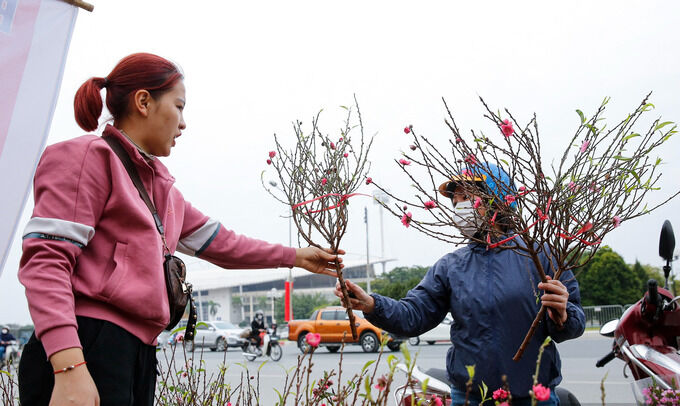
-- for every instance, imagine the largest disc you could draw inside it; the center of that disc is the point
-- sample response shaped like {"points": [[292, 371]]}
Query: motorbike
{"points": [[438, 385], [270, 343], [646, 336], [11, 356]]}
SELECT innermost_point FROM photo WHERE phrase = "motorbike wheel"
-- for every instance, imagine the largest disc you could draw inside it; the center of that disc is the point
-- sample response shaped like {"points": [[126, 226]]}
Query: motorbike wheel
{"points": [[302, 343], [333, 348], [393, 346], [414, 341], [275, 352], [369, 342], [251, 350], [221, 344]]}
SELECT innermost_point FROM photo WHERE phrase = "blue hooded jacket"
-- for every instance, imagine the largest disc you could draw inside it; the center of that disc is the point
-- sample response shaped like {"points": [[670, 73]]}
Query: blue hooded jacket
{"points": [[493, 297]]}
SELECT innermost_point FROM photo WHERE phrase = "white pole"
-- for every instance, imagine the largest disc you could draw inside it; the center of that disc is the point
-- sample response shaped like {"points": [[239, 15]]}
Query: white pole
{"points": [[368, 274]]}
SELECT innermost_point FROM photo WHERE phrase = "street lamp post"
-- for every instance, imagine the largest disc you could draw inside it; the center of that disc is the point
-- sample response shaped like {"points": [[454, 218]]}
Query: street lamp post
{"points": [[290, 244], [378, 197], [368, 273]]}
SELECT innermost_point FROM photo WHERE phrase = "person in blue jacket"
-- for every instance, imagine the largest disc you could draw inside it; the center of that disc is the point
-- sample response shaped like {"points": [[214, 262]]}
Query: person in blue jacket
{"points": [[492, 295]]}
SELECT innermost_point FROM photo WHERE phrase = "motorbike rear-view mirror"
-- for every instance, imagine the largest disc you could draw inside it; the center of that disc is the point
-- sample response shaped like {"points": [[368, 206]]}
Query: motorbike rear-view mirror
{"points": [[609, 327], [667, 241]]}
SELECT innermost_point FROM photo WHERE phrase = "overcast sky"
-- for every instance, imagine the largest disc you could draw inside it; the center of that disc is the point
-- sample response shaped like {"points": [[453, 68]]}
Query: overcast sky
{"points": [[252, 68]]}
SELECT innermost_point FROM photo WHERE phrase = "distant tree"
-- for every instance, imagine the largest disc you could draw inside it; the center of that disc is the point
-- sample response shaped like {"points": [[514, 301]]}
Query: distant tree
{"points": [[607, 280], [214, 307], [397, 282]]}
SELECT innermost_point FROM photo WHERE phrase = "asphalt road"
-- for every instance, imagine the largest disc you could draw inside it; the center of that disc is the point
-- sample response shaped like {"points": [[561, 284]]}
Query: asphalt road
{"points": [[581, 376]]}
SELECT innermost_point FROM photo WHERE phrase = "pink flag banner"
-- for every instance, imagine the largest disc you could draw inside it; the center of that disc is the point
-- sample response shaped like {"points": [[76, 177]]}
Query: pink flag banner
{"points": [[34, 40]]}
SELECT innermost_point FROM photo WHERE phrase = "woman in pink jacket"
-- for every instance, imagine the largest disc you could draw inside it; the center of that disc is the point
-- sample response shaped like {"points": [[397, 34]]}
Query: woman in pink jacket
{"points": [[92, 259]]}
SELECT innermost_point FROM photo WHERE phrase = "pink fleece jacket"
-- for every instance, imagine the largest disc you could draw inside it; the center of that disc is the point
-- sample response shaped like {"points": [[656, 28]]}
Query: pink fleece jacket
{"points": [[91, 247]]}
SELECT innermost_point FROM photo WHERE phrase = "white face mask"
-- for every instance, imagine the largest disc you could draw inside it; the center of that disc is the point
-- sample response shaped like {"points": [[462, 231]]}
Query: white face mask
{"points": [[466, 218], [5, 331]]}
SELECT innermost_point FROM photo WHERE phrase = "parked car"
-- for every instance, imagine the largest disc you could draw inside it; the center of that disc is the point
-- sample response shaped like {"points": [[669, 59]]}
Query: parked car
{"points": [[332, 323], [442, 332]]}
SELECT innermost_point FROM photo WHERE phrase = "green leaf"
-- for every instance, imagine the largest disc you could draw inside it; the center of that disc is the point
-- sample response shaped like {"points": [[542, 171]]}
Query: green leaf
{"points": [[635, 175], [505, 162], [367, 364], [406, 353], [483, 390], [658, 161], [662, 125], [648, 106], [622, 158], [470, 371], [633, 135], [367, 386], [580, 114], [424, 384], [261, 365]]}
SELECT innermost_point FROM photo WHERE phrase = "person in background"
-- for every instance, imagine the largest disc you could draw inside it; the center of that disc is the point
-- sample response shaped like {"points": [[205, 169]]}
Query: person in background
{"points": [[6, 339], [92, 261], [256, 327], [492, 295]]}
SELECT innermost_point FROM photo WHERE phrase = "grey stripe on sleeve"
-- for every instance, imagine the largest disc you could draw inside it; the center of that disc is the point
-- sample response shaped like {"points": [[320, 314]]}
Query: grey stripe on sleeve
{"points": [[199, 240], [77, 232]]}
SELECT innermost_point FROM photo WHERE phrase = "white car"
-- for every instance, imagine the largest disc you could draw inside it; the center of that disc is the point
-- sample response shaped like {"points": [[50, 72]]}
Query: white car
{"points": [[216, 335], [442, 332]]}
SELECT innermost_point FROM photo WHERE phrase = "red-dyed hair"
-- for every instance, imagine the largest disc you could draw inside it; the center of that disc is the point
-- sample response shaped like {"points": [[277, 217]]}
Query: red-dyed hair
{"points": [[134, 72]]}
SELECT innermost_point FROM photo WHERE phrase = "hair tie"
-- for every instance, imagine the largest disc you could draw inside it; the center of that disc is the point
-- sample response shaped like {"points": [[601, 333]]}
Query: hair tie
{"points": [[106, 82]]}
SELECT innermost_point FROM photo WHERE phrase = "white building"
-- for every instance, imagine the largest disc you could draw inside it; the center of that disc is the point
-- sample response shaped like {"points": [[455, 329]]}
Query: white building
{"points": [[215, 287]]}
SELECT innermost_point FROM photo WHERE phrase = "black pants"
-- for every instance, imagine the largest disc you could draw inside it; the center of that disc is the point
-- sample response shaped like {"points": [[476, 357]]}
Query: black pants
{"points": [[122, 366]]}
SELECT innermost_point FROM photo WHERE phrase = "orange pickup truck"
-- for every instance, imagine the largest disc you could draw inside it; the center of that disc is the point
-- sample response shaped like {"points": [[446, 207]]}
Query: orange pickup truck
{"points": [[332, 322]]}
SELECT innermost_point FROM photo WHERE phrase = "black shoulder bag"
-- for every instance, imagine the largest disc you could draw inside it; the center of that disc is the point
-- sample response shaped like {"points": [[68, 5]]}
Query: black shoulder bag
{"points": [[179, 290]]}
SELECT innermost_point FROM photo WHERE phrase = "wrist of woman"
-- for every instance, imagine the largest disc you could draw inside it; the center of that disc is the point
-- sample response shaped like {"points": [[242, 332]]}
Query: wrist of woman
{"points": [[66, 358]]}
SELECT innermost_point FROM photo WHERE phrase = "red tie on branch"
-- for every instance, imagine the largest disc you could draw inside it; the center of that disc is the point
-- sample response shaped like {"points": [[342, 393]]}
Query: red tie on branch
{"points": [[343, 198], [542, 217]]}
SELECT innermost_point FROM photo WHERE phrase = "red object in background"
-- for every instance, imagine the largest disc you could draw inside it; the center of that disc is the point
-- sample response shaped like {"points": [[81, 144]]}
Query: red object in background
{"points": [[288, 315]]}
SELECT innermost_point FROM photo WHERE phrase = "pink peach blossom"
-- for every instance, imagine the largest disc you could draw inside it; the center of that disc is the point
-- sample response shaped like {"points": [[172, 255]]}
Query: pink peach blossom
{"points": [[506, 128], [437, 401], [269, 161], [404, 162], [324, 181], [541, 392], [616, 220], [500, 394], [471, 160], [345, 154], [407, 130], [369, 180], [478, 201], [413, 147], [313, 339], [509, 199], [332, 145], [430, 204], [406, 219], [272, 154], [584, 146]]}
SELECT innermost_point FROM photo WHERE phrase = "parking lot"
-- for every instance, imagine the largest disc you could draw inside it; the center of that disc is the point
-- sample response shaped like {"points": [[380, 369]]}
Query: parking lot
{"points": [[578, 367]]}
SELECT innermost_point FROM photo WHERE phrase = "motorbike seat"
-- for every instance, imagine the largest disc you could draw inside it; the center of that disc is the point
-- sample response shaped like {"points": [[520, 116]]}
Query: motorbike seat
{"points": [[438, 374]]}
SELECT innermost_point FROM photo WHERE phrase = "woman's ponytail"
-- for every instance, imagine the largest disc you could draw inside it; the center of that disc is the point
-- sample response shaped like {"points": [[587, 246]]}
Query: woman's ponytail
{"points": [[132, 73], [88, 103]]}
